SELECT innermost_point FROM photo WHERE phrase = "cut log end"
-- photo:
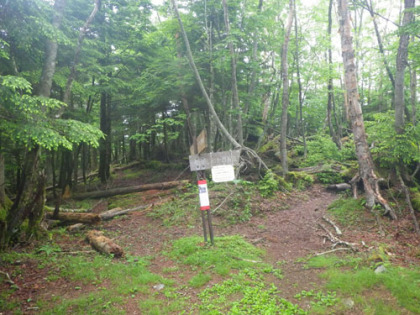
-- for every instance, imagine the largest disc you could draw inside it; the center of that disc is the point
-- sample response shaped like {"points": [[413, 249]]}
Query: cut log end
{"points": [[103, 244]]}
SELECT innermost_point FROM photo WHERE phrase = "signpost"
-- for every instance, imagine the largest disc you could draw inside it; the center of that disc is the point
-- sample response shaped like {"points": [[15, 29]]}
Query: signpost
{"points": [[221, 165], [201, 143]]}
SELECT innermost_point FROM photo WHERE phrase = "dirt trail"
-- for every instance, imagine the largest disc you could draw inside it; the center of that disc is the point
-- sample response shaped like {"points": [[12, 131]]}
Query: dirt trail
{"points": [[286, 235]]}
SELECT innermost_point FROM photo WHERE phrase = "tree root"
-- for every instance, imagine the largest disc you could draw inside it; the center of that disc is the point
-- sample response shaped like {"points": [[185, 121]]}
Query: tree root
{"points": [[373, 194]]}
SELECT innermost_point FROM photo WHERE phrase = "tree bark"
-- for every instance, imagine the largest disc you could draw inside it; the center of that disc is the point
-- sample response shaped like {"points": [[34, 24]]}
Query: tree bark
{"points": [[413, 95], [128, 190], [366, 166], [105, 144], [330, 85], [300, 94], [51, 52], [401, 64], [2, 182], [254, 71], [285, 95], [369, 7], [82, 34], [234, 83], [30, 198]]}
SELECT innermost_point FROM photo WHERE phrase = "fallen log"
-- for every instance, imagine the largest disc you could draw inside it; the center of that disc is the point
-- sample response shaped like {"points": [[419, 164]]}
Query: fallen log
{"points": [[318, 169], [103, 244], [87, 218], [128, 190], [108, 215]]}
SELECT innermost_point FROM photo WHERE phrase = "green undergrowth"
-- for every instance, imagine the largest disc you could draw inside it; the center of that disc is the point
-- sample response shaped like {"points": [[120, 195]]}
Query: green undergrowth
{"points": [[272, 183], [248, 287], [181, 210], [132, 174], [126, 201], [353, 277], [347, 210], [100, 284], [245, 293], [229, 252]]}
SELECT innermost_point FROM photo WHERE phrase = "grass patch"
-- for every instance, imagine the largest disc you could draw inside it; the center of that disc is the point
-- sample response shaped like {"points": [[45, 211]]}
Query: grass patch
{"points": [[199, 280], [229, 252], [346, 210], [181, 210], [245, 293], [132, 174], [126, 201], [402, 284], [102, 302], [155, 306], [115, 282]]}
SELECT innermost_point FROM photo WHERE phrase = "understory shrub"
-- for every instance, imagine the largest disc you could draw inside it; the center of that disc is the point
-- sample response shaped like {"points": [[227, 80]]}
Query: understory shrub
{"points": [[300, 180], [272, 183]]}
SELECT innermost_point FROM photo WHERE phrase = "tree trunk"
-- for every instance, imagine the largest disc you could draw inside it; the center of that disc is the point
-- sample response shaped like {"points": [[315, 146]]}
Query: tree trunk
{"points": [[51, 53], [30, 198], [366, 166], [82, 34], [301, 122], [2, 182], [401, 64], [333, 134], [105, 144], [234, 83], [285, 95], [369, 7], [413, 95]]}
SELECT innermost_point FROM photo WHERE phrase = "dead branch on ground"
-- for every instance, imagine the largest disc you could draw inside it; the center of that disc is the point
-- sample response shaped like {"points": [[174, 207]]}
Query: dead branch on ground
{"points": [[337, 229], [336, 241], [9, 280]]}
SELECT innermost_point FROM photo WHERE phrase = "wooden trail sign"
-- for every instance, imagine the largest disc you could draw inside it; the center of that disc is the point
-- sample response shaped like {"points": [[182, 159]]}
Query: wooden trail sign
{"points": [[221, 164], [201, 143], [207, 160]]}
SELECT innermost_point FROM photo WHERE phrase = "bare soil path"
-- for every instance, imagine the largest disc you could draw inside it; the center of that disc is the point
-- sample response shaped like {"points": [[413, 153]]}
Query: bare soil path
{"points": [[287, 230]]}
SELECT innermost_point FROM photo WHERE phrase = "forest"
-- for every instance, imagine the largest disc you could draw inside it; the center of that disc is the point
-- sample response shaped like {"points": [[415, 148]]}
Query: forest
{"points": [[101, 99]]}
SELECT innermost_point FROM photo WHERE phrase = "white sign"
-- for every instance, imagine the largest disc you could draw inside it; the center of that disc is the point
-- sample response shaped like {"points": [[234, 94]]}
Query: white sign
{"points": [[203, 193], [222, 173]]}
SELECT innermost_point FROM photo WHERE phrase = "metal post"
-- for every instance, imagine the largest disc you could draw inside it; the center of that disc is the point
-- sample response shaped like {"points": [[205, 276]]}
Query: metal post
{"points": [[210, 226], [203, 218]]}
